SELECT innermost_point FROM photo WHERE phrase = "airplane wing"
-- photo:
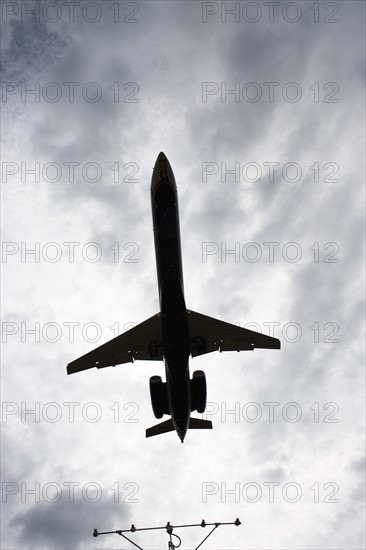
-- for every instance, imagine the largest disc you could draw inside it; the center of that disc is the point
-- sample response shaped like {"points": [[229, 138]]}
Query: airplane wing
{"points": [[141, 342], [208, 334]]}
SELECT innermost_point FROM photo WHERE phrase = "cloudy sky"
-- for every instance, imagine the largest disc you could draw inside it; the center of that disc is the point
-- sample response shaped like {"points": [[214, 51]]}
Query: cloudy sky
{"points": [[259, 107]]}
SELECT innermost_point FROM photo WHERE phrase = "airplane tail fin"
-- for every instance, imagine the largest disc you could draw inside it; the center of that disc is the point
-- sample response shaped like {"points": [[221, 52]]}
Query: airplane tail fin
{"points": [[163, 427], [199, 424]]}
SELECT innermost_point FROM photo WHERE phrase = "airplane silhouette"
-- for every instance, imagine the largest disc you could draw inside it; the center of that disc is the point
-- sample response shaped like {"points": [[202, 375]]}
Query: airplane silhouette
{"points": [[175, 333]]}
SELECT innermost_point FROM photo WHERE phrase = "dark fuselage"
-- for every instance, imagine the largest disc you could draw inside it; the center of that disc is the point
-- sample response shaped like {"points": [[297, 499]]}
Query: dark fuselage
{"points": [[173, 312]]}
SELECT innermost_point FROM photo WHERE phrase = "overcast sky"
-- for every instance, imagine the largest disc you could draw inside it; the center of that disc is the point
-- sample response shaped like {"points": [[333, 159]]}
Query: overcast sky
{"points": [[261, 113]]}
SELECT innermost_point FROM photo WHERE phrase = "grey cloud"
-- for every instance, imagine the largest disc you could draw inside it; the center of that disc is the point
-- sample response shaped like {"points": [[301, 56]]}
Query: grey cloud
{"points": [[67, 526], [29, 48]]}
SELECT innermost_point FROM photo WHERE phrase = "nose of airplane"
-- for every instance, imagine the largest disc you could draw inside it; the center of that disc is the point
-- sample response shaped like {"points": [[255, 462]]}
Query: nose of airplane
{"points": [[162, 172]]}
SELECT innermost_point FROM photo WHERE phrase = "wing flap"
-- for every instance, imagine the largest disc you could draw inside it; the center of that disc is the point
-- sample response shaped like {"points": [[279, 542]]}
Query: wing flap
{"points": [[208, 334], [143, 342]]}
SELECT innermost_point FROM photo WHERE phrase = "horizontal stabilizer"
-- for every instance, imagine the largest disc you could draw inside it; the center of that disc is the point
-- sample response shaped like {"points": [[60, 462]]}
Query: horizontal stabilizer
{"points": [[162, 428], [199, 424]]}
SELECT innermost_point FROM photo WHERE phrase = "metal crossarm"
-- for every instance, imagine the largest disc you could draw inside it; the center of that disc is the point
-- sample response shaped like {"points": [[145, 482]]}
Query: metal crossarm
{"points": [[169, 529]]}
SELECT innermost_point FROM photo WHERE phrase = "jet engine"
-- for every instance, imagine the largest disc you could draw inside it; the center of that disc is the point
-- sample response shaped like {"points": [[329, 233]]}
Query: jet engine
{"points": [[158, 395], [198, 391]]}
